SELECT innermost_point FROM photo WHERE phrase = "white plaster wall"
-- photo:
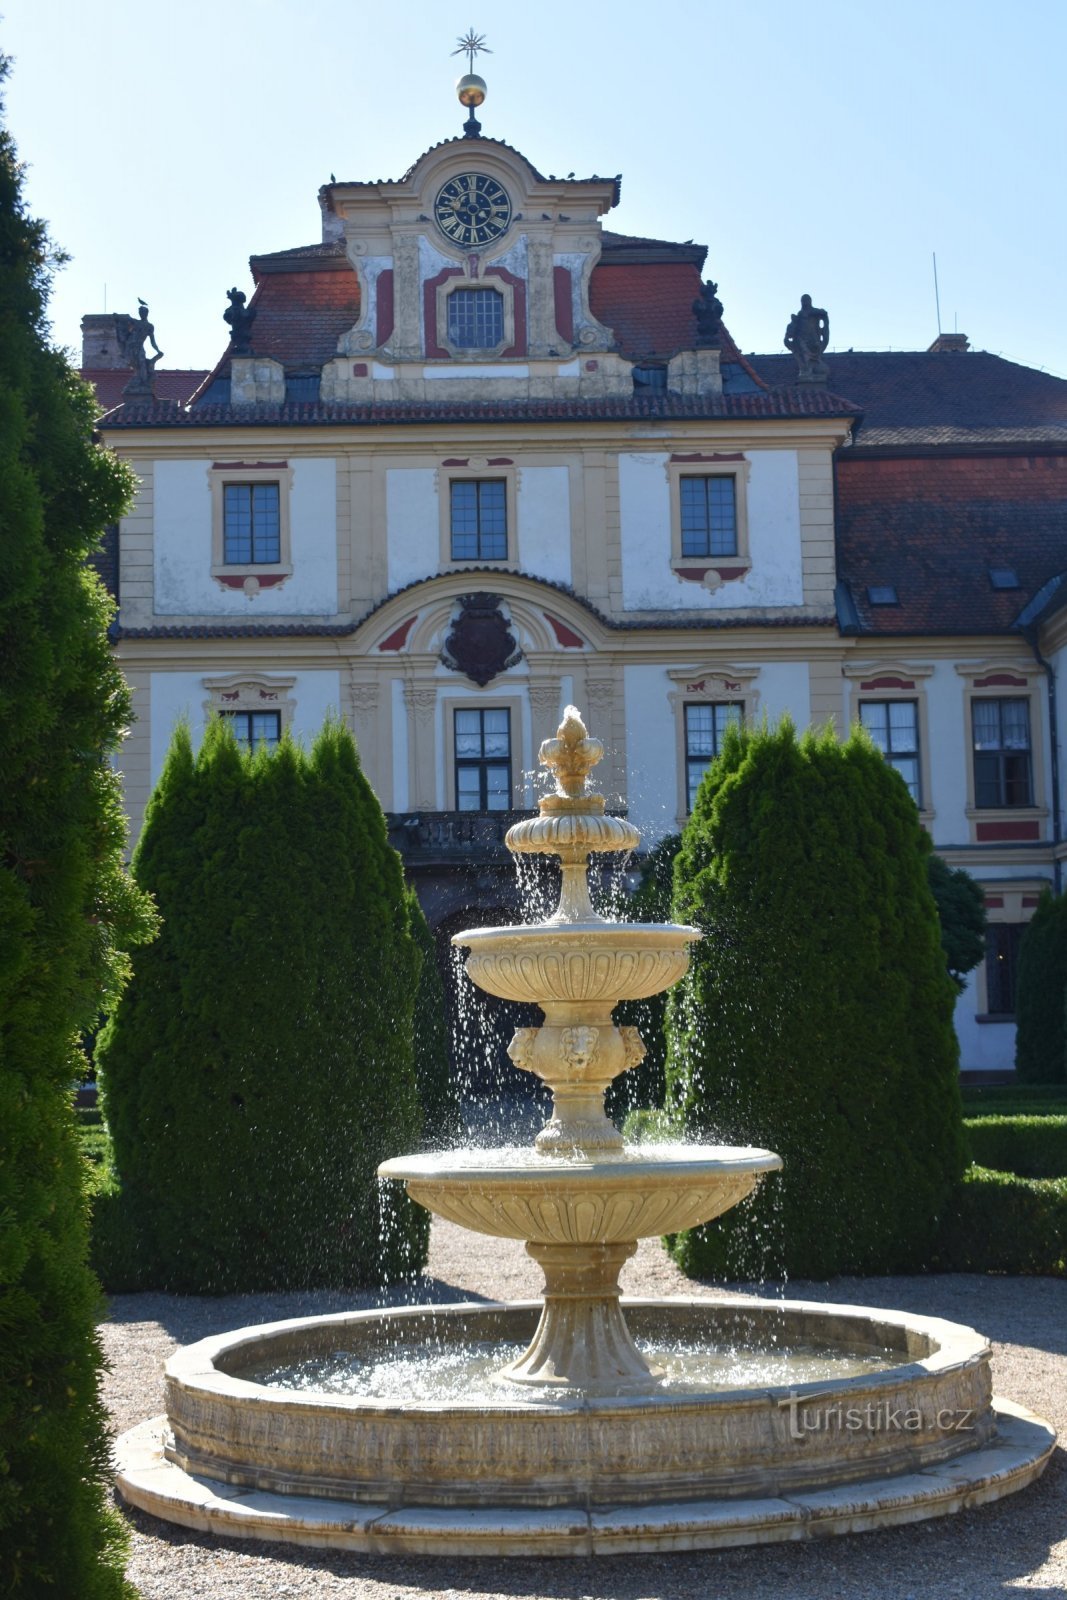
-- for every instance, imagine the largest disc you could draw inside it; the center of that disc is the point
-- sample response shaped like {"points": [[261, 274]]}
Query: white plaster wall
{"points": [[652, 752], [177, 694], [784, 690], [183, 582], [776, 577], [945, 785], [984, 1046], [544, 515], [413, 525]]}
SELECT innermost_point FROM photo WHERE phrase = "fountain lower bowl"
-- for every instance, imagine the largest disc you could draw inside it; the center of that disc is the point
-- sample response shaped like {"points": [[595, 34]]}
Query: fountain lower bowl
{"points": [[621, 1196], [516, 1472]]}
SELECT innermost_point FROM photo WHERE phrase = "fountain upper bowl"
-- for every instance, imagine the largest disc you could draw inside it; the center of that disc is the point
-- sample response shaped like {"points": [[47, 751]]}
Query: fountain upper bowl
{"points": [[577, 962], [634, 1194]]}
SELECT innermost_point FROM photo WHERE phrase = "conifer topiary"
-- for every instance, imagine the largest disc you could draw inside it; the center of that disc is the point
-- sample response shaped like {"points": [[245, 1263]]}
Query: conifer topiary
{"points": [[817, 1017], [1041, 995], [261, 1063], [66, 911]]}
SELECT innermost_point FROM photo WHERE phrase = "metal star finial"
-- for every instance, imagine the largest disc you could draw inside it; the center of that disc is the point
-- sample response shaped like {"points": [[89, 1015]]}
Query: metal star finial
{"points": [[471, 45]]}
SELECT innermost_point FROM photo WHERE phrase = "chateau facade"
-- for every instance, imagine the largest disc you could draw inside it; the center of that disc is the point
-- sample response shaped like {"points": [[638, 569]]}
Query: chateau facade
{"points": [[471, 456]]}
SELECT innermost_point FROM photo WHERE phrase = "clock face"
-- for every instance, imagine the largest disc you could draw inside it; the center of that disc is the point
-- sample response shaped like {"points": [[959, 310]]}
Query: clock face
{"points": [[472, 209]]}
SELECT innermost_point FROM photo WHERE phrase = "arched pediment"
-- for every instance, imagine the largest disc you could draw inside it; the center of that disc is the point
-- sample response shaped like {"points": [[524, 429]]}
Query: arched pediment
{"points": [[544, 619]]}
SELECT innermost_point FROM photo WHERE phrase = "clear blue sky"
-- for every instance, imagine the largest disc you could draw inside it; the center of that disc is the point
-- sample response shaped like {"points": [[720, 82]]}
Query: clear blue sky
{"points": [[823, 148]]}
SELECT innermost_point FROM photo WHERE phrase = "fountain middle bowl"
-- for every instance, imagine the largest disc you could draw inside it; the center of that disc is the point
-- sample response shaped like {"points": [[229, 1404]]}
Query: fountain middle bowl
{"points": [[623, 1196], [577, 962]]}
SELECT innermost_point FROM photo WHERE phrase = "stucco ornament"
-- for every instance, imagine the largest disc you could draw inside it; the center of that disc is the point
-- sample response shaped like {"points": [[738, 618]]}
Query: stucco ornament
{"points": [[480, 643]]}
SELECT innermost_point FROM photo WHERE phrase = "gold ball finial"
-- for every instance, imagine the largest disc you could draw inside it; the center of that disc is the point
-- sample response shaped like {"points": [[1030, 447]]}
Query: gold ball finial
{"points": [[470, 90]]}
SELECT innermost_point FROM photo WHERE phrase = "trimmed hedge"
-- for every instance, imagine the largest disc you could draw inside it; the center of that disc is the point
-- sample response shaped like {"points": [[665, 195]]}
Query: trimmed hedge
{"points": [[997, 1222], [261, 1063], [816, 1019], [1015, 1100], [1031, 1147]]}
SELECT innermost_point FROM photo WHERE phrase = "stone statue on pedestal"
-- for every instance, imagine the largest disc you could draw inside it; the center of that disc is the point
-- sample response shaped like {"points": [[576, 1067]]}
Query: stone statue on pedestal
{"points": [[708, 312], [807, 337], [240, 318], [130, 335]]}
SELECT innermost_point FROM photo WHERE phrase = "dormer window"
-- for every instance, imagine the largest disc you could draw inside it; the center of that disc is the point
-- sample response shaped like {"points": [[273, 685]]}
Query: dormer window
{"points": [[476, 319]]}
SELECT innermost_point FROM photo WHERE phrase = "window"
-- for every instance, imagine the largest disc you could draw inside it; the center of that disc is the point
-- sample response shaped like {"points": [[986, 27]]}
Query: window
{"points": [[251, 518], [479, 519], [883, 594], [256, 728], [894, 727], [1001, 965], [475, 319], [483, 760], [709, 516], [704, 729], [1002, 770], [250, 543]]}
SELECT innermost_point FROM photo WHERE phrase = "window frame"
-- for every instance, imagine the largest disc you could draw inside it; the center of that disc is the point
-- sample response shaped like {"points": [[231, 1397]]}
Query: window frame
{"points": [[251, 713], [716, 736], [1002, 753], [480, 534], [251, 576], [716, 684], [1010, 680], [251, 691], [468, 354], [885, 681], [710, 570], [479, 470], [1011, 901], [481, 763], [915, 753]]}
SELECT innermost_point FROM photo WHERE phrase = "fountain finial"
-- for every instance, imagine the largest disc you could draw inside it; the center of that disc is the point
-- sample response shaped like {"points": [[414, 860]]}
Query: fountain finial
{"points": [[571, 755]]}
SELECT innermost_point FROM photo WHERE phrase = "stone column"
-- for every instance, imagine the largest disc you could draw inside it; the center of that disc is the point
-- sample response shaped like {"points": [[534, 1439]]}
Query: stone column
{"points": [[602, 689], [544, 711], [406, 341], [421, 701], [541, 330], [363, 702]]}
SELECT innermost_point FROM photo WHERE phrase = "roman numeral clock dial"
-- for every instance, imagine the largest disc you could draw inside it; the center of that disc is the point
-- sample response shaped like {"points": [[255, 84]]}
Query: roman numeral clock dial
{"points": [[472, 209]]}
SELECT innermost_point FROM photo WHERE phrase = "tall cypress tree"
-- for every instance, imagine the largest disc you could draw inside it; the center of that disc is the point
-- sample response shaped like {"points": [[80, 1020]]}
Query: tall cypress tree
{"points": [[66, 909], [261, 1062], [817, 1020]]}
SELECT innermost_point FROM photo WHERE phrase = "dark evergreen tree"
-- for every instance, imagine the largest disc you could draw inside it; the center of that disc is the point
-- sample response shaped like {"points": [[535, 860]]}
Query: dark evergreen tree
{"points": [[66, 910], [817, 1020], [961, 913], [260, 1065], [1041, 995], [433, 1070]]}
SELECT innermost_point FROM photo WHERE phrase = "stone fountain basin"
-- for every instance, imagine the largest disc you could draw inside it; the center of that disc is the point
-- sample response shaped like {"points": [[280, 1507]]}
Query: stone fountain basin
{"points": [[639, 1194], [577, 962], [516, 1448]]}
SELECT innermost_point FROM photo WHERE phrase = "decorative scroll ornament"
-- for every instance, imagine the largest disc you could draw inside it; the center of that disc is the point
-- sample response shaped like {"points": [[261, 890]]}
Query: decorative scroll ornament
{"points": [[480, 643]]}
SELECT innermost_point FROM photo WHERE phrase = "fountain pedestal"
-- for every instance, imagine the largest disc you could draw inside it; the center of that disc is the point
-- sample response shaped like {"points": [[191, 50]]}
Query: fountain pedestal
{"points": [[582, 1340]]}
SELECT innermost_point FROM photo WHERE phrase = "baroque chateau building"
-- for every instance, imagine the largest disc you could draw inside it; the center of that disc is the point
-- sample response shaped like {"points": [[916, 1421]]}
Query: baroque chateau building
{"points": [[472, 455]]}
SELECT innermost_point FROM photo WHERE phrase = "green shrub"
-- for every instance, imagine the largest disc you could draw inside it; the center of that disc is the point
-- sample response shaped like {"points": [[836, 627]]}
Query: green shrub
{"points": [[67, 909], [1041, 993], [260, 1065], [961, 913], [817, 1017], [1031, 1147], [1014, 1100], [997, 1222]]}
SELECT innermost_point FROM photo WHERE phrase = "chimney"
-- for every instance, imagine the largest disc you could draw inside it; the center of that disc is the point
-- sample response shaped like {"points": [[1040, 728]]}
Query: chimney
{"points": [[100, 348], [949, 341]]}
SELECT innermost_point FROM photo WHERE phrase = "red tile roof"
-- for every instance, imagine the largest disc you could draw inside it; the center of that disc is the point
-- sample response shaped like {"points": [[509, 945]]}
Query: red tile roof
{"points": [[171, 383], [933, 526], [760, 403], [300, 315], [649, 308]]}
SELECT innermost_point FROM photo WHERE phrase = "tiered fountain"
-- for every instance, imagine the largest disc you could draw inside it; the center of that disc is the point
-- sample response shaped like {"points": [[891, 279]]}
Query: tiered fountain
{"points": [[574, 1427]]}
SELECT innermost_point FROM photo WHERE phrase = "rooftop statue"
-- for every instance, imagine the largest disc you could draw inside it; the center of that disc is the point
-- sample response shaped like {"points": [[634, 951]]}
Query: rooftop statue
{"points": [[130, 335], [240, 318], [807, 336], [708, 311]]}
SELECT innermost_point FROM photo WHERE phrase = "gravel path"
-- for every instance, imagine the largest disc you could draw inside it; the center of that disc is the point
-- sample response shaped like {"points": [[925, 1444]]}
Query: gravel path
{"points": [[1017, 1545]]}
